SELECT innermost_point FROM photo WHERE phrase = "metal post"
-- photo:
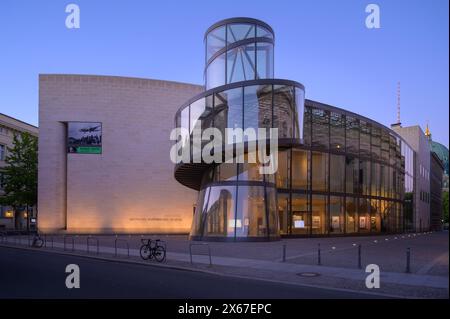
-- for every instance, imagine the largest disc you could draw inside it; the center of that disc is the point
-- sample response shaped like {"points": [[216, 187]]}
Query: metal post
{"points": [[284, 252], [359, 256], [408, 260], [319, 262]]}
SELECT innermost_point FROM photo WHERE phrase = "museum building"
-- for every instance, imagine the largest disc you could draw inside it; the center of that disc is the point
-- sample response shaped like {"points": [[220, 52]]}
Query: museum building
{"points": [[104, 163]]}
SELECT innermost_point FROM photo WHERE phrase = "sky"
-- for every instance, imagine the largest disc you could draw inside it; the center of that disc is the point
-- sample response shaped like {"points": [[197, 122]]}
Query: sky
{"points": [[323, 44]]}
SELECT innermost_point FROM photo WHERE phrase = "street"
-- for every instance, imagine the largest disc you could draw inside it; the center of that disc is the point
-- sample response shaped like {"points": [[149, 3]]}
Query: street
{"points": [[38, 274]]}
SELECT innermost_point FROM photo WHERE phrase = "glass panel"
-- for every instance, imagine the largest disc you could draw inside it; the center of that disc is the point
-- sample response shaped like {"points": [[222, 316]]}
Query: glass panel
{"points": [[271, 196], [319, 165], [264, 60], [375, 218], [337, 132], [283, 169], [364, 215], [196, 229], [215, 73], [197, 110], [237, 32], [364, 177], [301, 217], [283, 212], [230, 103], [251, 215], [352, 174], [319, 213], [241, 63], [364, 138], [336, 215], [385, 146], [351, 215], [283, 110], [262, 32], [337, 173], [185, 125], [249, 171], [300, 169], [320, 128], [352, 142], [299, 114], [376, 142], [220, 211], [375, 179], [258, 107], [307, 126], [215, 41]]}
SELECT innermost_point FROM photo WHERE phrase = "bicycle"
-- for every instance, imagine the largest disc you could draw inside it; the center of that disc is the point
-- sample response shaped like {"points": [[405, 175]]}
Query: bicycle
{"points": [[152, 249], [38, 242]]}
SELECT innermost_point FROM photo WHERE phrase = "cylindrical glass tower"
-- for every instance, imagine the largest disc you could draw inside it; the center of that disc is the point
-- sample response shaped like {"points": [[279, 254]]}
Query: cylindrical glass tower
{"points": [[238, 49], [236, 201]]}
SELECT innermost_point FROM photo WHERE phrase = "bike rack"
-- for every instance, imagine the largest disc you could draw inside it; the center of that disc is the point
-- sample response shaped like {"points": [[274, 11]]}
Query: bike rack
{"points": [[73, 242], [201, 244], [115, 246], [96, 241]]}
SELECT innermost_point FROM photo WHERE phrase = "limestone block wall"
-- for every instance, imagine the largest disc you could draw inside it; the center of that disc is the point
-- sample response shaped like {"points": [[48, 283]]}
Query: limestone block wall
{"points": [[130, 186]]}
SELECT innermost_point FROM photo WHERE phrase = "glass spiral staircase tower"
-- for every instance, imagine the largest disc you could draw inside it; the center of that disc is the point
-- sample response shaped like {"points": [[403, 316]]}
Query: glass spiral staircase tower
{"points": [[235, 201]]}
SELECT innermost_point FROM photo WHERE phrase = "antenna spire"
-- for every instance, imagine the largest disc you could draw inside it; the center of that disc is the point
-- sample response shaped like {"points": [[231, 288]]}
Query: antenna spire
{"points": [[398, 103]]}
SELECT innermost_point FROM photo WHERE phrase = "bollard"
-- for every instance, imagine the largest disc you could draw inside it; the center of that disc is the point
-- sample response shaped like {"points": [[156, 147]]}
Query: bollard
{"points": [[319, 262], [408, 260], [284, 252], [359, 256]]}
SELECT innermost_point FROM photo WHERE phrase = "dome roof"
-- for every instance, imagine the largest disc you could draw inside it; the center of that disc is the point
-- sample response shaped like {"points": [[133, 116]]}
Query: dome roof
{"points": [[442, 153]]}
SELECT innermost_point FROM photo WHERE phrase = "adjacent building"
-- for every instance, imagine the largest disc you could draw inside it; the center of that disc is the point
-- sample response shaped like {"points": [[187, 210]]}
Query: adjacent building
{"points": [[10, 126]]}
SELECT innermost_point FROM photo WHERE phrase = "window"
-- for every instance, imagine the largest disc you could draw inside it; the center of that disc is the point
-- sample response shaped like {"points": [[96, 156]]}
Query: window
{"points": [[215, 41], [337, 173], [319, 166], [215, 73], [351, 215], [352, 143], [241, 63], [220, 219], [336, 215], [283, 169], [337, 132], [251, 218], [319, 209], [301, 222], [283, 110], [320, 127], [237, 32], [2, 152], [283, 212], [299, 169]]}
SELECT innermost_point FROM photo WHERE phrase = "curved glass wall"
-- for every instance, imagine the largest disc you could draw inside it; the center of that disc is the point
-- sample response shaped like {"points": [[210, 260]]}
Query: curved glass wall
{"points": [[238, 51]]}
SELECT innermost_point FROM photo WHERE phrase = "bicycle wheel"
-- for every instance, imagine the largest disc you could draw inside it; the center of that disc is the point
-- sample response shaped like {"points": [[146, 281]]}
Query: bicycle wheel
{"points": [[159, 253], [39, 242], [145, 252]]}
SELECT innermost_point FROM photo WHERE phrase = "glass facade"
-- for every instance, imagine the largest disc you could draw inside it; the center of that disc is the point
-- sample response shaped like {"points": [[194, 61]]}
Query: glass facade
{"points": [[338, 173]]}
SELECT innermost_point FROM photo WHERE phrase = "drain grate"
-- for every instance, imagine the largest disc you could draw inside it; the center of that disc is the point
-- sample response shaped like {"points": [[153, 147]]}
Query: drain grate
{"points": [[308, 274]]}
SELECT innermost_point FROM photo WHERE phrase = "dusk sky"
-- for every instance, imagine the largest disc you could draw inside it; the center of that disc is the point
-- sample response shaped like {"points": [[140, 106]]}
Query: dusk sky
{"points": [[324, 45]]}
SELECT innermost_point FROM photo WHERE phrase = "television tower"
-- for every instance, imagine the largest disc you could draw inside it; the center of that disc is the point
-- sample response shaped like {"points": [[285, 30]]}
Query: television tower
{"points": [[398, 103]]}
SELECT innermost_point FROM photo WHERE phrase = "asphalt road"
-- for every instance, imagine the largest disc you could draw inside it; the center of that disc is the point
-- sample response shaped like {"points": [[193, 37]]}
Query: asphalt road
{"points": [[38, 274]]}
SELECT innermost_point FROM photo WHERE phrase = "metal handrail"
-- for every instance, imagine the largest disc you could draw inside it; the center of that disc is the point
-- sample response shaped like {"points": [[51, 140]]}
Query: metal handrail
{"points": [[87, 243], [201, 244], [73, 242], [45, 241], [121, 240]]}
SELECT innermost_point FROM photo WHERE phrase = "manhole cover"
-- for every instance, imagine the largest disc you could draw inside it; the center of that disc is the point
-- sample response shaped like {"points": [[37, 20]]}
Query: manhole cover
{"points": [[308, 274]]}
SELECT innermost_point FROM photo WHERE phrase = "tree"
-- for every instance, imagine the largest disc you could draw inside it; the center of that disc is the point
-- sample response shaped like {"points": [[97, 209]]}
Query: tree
{"points": [[445, 206], [20, 175]]}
